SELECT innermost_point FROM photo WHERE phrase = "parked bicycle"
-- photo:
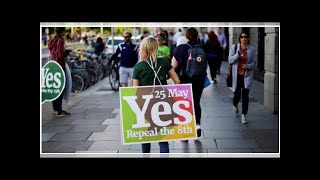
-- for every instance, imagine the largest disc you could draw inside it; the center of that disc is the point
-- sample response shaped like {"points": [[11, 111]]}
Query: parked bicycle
{"points": [[114, 77]]}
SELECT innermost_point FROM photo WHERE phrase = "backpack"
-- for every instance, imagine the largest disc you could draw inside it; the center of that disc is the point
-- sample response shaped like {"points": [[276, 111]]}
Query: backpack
{"points": [[197, 62]]}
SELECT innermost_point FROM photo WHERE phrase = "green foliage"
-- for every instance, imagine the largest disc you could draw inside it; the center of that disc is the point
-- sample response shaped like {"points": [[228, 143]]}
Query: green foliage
{"points": [[85, 29], [118, 31]]}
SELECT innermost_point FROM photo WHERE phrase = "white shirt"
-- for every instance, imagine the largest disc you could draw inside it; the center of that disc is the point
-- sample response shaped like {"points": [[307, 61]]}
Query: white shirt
{"points": [[182, 40]]}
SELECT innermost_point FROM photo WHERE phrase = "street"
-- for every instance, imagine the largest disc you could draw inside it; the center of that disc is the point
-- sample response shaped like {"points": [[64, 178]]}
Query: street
{"points": [[94, 125]]}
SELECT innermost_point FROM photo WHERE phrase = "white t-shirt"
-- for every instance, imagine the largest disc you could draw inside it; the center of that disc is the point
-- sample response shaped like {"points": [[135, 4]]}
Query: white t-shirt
{"points": [[182, 40]]}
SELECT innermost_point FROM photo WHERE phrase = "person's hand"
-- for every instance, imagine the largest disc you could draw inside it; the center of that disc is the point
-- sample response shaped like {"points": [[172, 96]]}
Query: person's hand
{"points": [[244, 66]]}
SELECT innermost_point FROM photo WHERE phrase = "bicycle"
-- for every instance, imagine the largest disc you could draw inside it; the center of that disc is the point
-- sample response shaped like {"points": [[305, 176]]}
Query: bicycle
{"points": [[114, 75]]}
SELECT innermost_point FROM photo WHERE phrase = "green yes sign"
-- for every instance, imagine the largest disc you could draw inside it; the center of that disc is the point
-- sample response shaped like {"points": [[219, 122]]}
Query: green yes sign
{"points": [[52, 81]]}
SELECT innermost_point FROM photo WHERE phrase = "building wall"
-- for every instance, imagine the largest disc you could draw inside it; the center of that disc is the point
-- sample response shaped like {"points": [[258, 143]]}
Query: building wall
{"points": [[254, 42], [271, 76]]}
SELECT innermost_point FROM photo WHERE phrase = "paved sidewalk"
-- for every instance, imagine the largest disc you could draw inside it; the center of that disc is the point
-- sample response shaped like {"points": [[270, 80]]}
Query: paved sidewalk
{"points": [[94, 126]]}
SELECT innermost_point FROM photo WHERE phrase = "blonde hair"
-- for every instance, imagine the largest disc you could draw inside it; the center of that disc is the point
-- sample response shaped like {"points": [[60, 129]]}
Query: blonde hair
{"points": [[148, 49]]}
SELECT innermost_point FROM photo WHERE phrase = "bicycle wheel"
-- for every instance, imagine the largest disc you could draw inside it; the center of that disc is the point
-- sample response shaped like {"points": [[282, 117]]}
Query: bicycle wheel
{"points": [[93, 76], [77, 84], [114, 79], [100, 72]]}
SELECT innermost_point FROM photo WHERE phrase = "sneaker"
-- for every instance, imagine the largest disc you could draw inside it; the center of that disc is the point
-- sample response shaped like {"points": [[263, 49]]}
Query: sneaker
{"points": [[198, 130], [63, 113], [55, 112], [236, 110], [243, 119]]}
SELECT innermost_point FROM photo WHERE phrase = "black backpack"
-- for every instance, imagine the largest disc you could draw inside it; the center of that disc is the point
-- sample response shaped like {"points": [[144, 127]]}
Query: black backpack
{"points": [[197, 62]]}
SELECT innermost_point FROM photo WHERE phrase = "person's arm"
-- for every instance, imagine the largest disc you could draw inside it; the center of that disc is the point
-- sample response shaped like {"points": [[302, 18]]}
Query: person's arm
{"points": [[136, 75], [136, 53], [60, 49], [233, 57], [252, 63], [174, 62], [224, 45], [173, 75], [115, 54], [135, 82]]}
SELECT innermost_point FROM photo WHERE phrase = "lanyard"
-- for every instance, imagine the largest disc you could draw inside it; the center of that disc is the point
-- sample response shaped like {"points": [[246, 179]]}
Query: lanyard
{"points": [[155, 73]]}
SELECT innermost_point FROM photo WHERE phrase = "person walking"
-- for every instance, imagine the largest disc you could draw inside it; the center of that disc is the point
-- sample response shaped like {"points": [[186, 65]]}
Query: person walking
{"points": [[128, 59], [243, 62], [151, 70], [223, 43], [214, 54], [179, 62]]}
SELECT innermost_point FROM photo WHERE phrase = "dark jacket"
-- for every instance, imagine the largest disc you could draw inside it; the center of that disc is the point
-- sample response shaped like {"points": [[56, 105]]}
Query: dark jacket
{"points": [[129, 54]]}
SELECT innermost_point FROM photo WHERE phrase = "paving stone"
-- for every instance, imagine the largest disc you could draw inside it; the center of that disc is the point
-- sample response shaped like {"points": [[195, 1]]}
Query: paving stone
{"points": [[55, 129], [222, 134], [108, 145], [87, 122], [104, 136], [110, 121], [47, 136], [237, 143], [62, 121], [113, 128], [87, 128], [99, 116], [71, 136], [195, 144], [65, 147], [234, 150]]}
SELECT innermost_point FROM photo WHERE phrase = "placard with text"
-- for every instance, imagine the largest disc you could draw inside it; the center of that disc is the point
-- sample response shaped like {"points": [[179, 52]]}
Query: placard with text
{"points": [[157, 113]]}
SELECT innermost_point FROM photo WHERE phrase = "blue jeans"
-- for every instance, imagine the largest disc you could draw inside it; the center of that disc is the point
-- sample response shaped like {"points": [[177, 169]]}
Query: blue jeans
{"points": [[164, 147]]}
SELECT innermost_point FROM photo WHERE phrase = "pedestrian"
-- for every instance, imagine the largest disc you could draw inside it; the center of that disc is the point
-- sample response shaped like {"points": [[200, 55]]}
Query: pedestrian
{"points": [[128, 59], [243, 62], [85, 38], [223, 43], [145, 34], [99, 46], [57, 53], [163, 50], [214, 54], [179, 62], [149, 71], [45, 39]]}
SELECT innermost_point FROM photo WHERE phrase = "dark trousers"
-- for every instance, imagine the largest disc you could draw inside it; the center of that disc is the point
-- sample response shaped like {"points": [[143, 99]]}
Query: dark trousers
{"points": [[197, 89], [57, 104], [240, 90], [164, 147], [219, 65], [213, 65]]}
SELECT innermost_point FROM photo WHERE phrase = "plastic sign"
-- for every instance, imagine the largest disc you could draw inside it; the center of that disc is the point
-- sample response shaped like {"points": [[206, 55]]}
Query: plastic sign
{"points": [[52, 81], [157, 113]]}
